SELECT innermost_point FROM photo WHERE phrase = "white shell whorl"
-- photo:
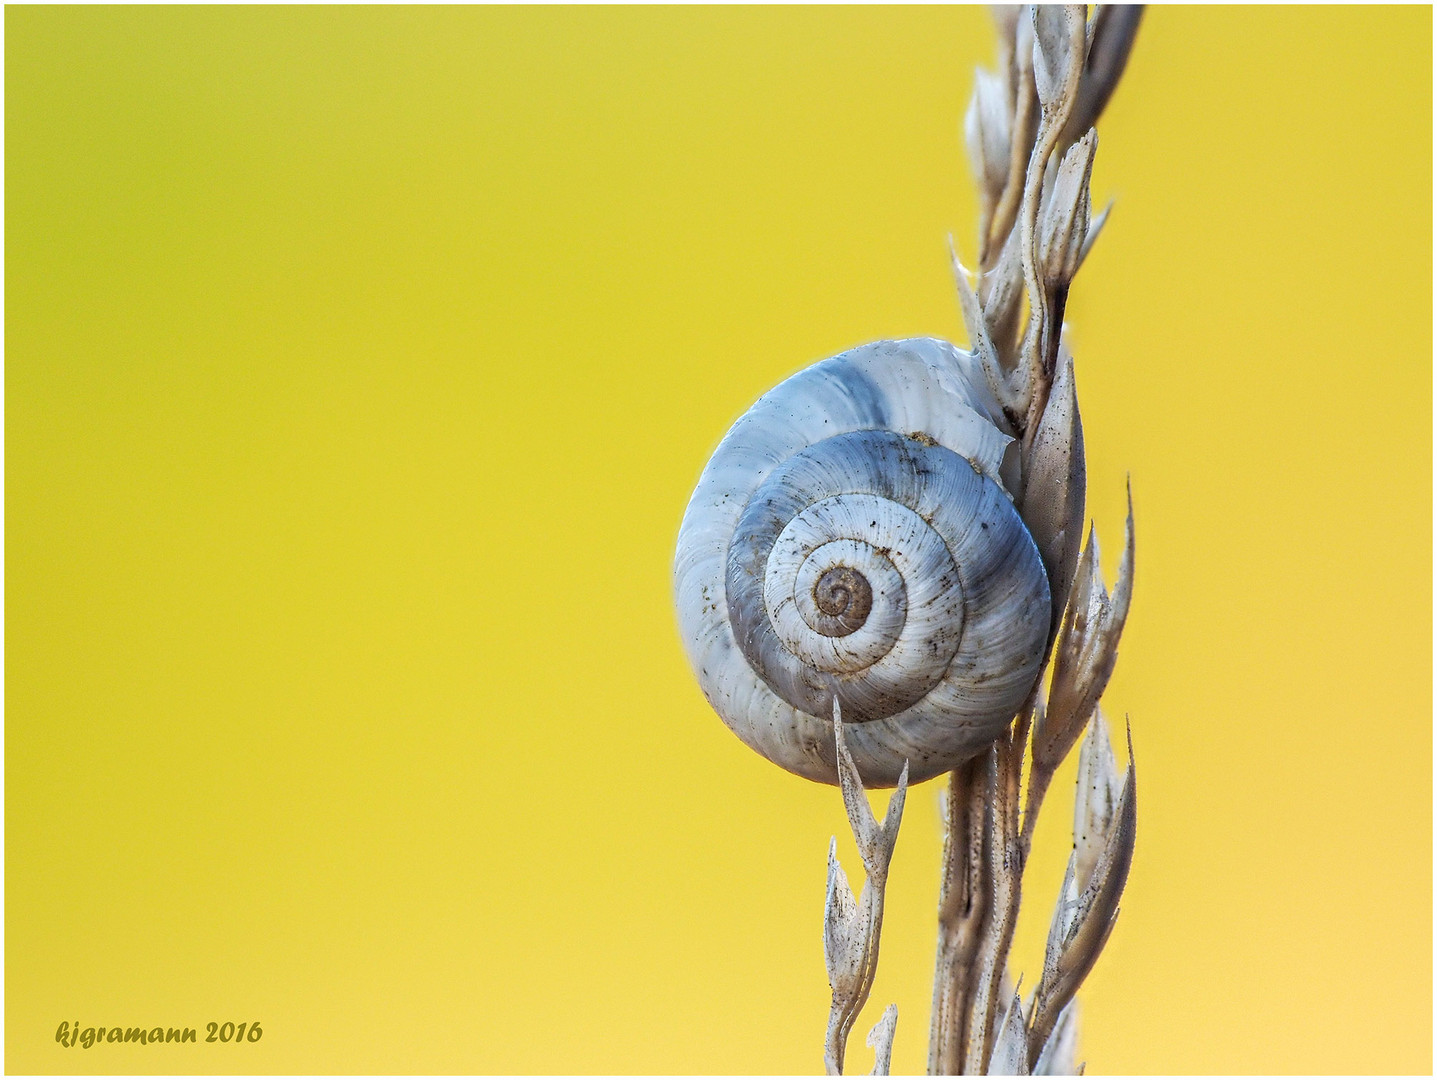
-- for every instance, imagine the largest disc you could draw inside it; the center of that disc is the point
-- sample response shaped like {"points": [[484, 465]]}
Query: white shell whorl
{"points": [[851, 536]]}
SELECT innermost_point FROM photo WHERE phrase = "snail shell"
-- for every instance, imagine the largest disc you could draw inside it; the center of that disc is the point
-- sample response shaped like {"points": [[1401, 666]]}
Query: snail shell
{"points": [[852, 539]]}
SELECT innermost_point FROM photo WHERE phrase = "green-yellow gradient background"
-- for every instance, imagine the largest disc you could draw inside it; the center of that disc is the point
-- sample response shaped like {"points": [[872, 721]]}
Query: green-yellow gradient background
{"points": [[360, 363]]}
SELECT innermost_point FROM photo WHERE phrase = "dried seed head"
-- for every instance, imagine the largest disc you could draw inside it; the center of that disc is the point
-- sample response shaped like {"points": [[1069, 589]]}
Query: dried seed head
{"points": [[988, 132], [851, 928], [1086, 651], [1059, 45], [1110, 41], [1010, 1049], [1063, 228], [1085, 915], [1021, 37], [880, 1038], [1055, 485], [980, 340], [842, 929], [1100, 786], [1006, 18], [1059, 1056]]}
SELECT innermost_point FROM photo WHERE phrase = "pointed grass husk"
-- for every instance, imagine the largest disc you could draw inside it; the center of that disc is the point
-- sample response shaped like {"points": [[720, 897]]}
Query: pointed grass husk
{"points": [[880, 1040], [1104, 837]]}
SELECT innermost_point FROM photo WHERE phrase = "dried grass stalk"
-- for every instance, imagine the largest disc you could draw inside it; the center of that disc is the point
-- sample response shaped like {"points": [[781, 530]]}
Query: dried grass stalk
{"points": [[1060, 72], [1029, 133], [851, 927]]}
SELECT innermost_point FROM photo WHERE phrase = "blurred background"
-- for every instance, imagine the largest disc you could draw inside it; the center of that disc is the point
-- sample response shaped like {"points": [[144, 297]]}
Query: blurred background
{"points": [[360, 363]]}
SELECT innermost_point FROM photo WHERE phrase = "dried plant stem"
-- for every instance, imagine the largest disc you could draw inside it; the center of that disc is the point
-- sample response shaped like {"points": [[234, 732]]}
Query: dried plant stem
{"points": [[963, 909], [1040, 776], [1030, 134], [844, 1009], [852, 927], [1005, 868], [848, 1001], [1033, 146], [986, 850], [1056, 96]]}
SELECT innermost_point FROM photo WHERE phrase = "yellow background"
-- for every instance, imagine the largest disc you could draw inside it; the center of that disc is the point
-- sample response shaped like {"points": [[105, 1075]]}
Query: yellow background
{"points": [[359, 365]]}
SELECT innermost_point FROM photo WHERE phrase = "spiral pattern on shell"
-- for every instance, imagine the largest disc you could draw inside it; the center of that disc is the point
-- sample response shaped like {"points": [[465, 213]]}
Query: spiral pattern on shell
{"points": [[852, 539]]}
